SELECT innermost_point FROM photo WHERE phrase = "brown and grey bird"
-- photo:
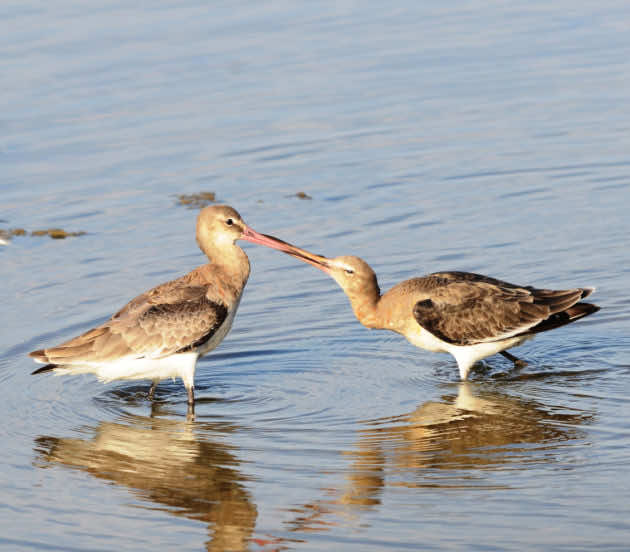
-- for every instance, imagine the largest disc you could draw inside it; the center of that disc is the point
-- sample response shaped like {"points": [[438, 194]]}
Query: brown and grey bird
{"points": [[467, 315], [161, 333]]}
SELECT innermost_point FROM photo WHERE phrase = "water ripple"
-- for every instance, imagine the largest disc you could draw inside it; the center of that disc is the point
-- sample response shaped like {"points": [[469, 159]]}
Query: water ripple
{"points": [[419, 149]]}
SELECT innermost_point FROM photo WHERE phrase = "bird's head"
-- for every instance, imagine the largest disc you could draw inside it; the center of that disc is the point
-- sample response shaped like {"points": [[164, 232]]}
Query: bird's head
{"points": [[219, 226], [352, 273]]}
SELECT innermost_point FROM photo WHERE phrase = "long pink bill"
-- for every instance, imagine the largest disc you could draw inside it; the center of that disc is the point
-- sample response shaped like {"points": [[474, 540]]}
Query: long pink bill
{"points": [[318, 261]]}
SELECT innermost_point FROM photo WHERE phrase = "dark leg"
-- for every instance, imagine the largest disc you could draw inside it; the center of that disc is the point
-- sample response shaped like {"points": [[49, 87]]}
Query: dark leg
{"points": [[152, 389], [517, 361], [191, 395], [190, 413]]}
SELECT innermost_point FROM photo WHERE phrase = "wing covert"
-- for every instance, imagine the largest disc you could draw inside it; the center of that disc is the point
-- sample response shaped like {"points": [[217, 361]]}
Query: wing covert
{"points": [[166, 328], [170, 318], [464, 308]]}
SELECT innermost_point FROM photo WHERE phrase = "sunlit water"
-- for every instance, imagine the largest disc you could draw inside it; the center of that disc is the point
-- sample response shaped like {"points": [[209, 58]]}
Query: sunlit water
{"points": [[430, 136]]}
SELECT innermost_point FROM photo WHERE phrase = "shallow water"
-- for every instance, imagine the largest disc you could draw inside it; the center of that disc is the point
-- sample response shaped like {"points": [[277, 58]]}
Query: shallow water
{"points": [[483, 137]]}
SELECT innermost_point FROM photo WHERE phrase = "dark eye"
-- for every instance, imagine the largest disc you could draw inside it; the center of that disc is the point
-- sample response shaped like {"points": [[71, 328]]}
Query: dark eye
{"points": [[349, 271], [229, 222]]}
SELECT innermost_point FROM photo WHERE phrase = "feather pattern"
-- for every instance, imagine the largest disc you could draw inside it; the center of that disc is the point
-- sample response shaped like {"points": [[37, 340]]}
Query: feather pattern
{"points": [[463, 308], [161, 333], [467, 315], [171, 318]]}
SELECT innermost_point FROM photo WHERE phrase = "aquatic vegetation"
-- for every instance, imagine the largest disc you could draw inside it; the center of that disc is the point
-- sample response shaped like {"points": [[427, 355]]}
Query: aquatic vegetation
{"points": [[54, 233], [197, 200], [57, 233]]}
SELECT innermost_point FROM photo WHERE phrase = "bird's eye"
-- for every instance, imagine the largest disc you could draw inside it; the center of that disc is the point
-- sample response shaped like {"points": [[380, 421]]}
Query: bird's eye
{"points": [[229, 222], [349, 271]]}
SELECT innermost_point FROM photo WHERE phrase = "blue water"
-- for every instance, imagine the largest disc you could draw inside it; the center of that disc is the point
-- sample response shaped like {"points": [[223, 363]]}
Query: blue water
{"points": [[477, 136]]}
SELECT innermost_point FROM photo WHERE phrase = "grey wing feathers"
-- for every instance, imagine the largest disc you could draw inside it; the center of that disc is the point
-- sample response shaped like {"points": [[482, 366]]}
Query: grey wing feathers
{"points": [[168, 319], [465, 308], [185, 325]]}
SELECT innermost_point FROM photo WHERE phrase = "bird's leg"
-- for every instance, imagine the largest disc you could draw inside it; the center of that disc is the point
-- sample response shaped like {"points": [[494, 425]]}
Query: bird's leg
{"points": [[152, 389], [191, 395], [190, 413], [517, 361]]}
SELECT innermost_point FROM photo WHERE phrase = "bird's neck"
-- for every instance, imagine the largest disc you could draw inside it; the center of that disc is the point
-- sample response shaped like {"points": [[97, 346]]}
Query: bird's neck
{"points": [[229, 266], [365, 305]]}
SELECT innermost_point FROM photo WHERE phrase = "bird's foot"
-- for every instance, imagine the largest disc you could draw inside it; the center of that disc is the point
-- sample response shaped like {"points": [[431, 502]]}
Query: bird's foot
{"points": [[151, 393], [518, 363]]}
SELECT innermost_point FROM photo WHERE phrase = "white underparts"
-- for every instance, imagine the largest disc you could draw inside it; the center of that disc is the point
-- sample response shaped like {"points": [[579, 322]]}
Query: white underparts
{"points": [[180, 365], [465, 355]]}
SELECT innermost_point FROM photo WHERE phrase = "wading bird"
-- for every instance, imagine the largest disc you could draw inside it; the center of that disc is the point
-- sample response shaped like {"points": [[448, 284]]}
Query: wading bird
{"points": [[161, 333], [467, 315]]}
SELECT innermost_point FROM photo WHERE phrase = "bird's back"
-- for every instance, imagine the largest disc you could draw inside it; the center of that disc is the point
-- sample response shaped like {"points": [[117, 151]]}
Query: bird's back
{"points": [[175, 316], [464, 308]]}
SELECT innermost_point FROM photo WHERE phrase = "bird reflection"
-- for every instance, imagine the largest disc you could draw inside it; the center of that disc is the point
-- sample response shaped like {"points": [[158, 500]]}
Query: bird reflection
{"points": [[170, 463], [447, 444]]}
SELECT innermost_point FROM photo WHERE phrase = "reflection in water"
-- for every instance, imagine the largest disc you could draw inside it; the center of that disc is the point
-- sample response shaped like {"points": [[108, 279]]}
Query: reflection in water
{"points": [[166, 462], [445, 445], [450, 444]]}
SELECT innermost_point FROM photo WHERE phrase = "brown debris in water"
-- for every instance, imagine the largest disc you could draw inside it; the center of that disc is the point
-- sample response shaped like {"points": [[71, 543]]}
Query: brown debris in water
{"points": [[198, 200], [303, 195], [54, 233], [6, 235]]}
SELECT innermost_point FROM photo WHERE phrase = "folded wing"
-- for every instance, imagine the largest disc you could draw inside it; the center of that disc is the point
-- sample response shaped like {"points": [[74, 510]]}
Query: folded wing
{"points": [[465, 309], [175, 317]]}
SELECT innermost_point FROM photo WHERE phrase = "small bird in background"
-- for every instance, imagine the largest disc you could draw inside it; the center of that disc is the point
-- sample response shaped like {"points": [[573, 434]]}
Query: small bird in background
{"points": [[161, 333], [467, 315]]}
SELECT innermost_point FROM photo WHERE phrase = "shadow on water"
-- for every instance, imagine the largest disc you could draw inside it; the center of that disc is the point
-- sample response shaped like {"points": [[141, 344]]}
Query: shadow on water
{"points": [[446, 445], [169, 463]]}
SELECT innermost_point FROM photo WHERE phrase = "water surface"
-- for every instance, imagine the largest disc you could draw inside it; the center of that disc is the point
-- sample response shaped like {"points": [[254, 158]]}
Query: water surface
{"points": [[478, 137]]}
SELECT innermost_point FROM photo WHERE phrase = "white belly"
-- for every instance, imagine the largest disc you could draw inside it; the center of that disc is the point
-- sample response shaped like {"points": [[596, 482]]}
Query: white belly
{"points": [[425, 340], [181, 365], [465, 355]]}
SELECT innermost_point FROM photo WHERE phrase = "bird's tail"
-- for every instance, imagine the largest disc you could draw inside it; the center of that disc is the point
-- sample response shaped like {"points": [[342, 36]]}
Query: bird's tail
{"points": [[573, 313], [47, 368], [586, 292], [41, 356]]}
